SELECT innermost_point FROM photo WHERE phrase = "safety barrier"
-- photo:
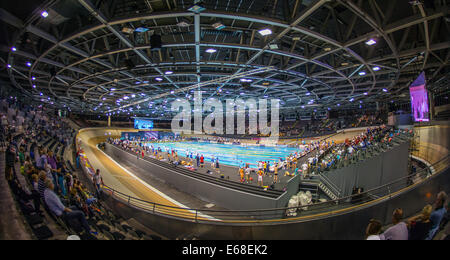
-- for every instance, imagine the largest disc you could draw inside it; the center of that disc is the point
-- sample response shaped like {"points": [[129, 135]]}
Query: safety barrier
{"points": [[317, 210]]}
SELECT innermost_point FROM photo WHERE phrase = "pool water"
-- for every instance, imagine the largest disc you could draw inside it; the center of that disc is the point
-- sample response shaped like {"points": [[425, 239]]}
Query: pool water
{"points": [[228, 154]]}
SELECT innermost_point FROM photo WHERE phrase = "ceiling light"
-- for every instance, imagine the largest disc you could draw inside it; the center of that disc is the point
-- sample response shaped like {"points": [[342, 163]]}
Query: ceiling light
{"points": [[14, 49], [362, 73], [273, 46], [265, 32], [184, 22], [9, 66], [344, 64], [371, 42], [168, 72], [376, 68], [44, 14], [127, 30], [327, 49], [218, 26], [197, 7], [385, 90], [159, 79], [33, 78], [365, 93], [141, 29], [211, 51]]}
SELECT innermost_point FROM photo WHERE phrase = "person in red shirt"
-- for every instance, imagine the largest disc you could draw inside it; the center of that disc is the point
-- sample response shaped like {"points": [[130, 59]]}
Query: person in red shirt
{"points": [[202, 161]]}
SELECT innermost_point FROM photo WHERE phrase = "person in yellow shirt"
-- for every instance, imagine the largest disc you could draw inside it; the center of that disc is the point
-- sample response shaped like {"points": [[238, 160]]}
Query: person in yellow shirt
{"points": [[265, 168], [241, 173]]}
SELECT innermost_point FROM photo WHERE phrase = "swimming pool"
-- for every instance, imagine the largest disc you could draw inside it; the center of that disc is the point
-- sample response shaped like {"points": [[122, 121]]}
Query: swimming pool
{"points": [[229, 154]]}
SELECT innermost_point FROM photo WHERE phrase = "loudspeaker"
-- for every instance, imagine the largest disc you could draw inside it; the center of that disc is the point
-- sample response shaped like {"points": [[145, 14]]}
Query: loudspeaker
{"points": [[52, 72], [129, 63], [155, 42]]}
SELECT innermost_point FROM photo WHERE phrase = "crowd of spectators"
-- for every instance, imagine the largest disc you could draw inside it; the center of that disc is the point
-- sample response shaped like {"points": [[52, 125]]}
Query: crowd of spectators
{"points": [[50, 185], [425, 226], [373, 140]]}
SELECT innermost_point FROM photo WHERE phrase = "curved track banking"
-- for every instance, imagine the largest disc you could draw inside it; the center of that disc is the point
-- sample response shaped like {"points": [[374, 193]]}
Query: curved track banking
{"points": [[431, 149], [121, 179]]}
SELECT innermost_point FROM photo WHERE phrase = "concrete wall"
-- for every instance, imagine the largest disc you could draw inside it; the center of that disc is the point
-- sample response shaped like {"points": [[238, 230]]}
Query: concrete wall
{"points": [[344, 226], [223, 196], [373, 172]]}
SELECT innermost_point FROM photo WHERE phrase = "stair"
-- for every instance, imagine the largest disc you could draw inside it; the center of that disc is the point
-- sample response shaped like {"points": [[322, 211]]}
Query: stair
{"points": [[327, 191]]}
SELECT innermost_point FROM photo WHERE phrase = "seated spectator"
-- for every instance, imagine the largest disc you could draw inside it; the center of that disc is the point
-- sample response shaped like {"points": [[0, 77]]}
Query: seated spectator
{"points": [[446, 218], [438, 214], [399, 230], [57, 207], [373, 230], [420, 226]]}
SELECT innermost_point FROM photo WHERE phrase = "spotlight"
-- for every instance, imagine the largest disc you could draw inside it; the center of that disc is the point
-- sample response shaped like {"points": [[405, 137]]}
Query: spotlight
{"points": [[376, 68], [362, 73], [33, 78], [371, 42], [265, 32], [246, 80], [385, 90], [13, 49], [9, 66], [44, 14], [168, 72], [29, 64], [211, 51], [159, 79]]}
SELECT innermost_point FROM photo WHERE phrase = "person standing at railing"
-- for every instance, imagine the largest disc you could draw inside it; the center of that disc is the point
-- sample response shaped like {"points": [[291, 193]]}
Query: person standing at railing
{"points": [[98, 181]]}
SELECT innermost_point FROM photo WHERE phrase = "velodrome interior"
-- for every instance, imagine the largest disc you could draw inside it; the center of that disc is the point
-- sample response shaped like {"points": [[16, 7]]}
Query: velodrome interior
{"points": [[353, 148]]}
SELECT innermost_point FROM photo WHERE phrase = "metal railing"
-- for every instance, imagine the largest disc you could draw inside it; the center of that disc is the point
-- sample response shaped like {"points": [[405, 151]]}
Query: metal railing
{"points": [[307, 212]]}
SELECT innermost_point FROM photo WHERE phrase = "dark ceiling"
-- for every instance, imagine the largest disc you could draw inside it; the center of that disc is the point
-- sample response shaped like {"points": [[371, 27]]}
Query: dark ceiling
{"points": [[317, 51]]}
